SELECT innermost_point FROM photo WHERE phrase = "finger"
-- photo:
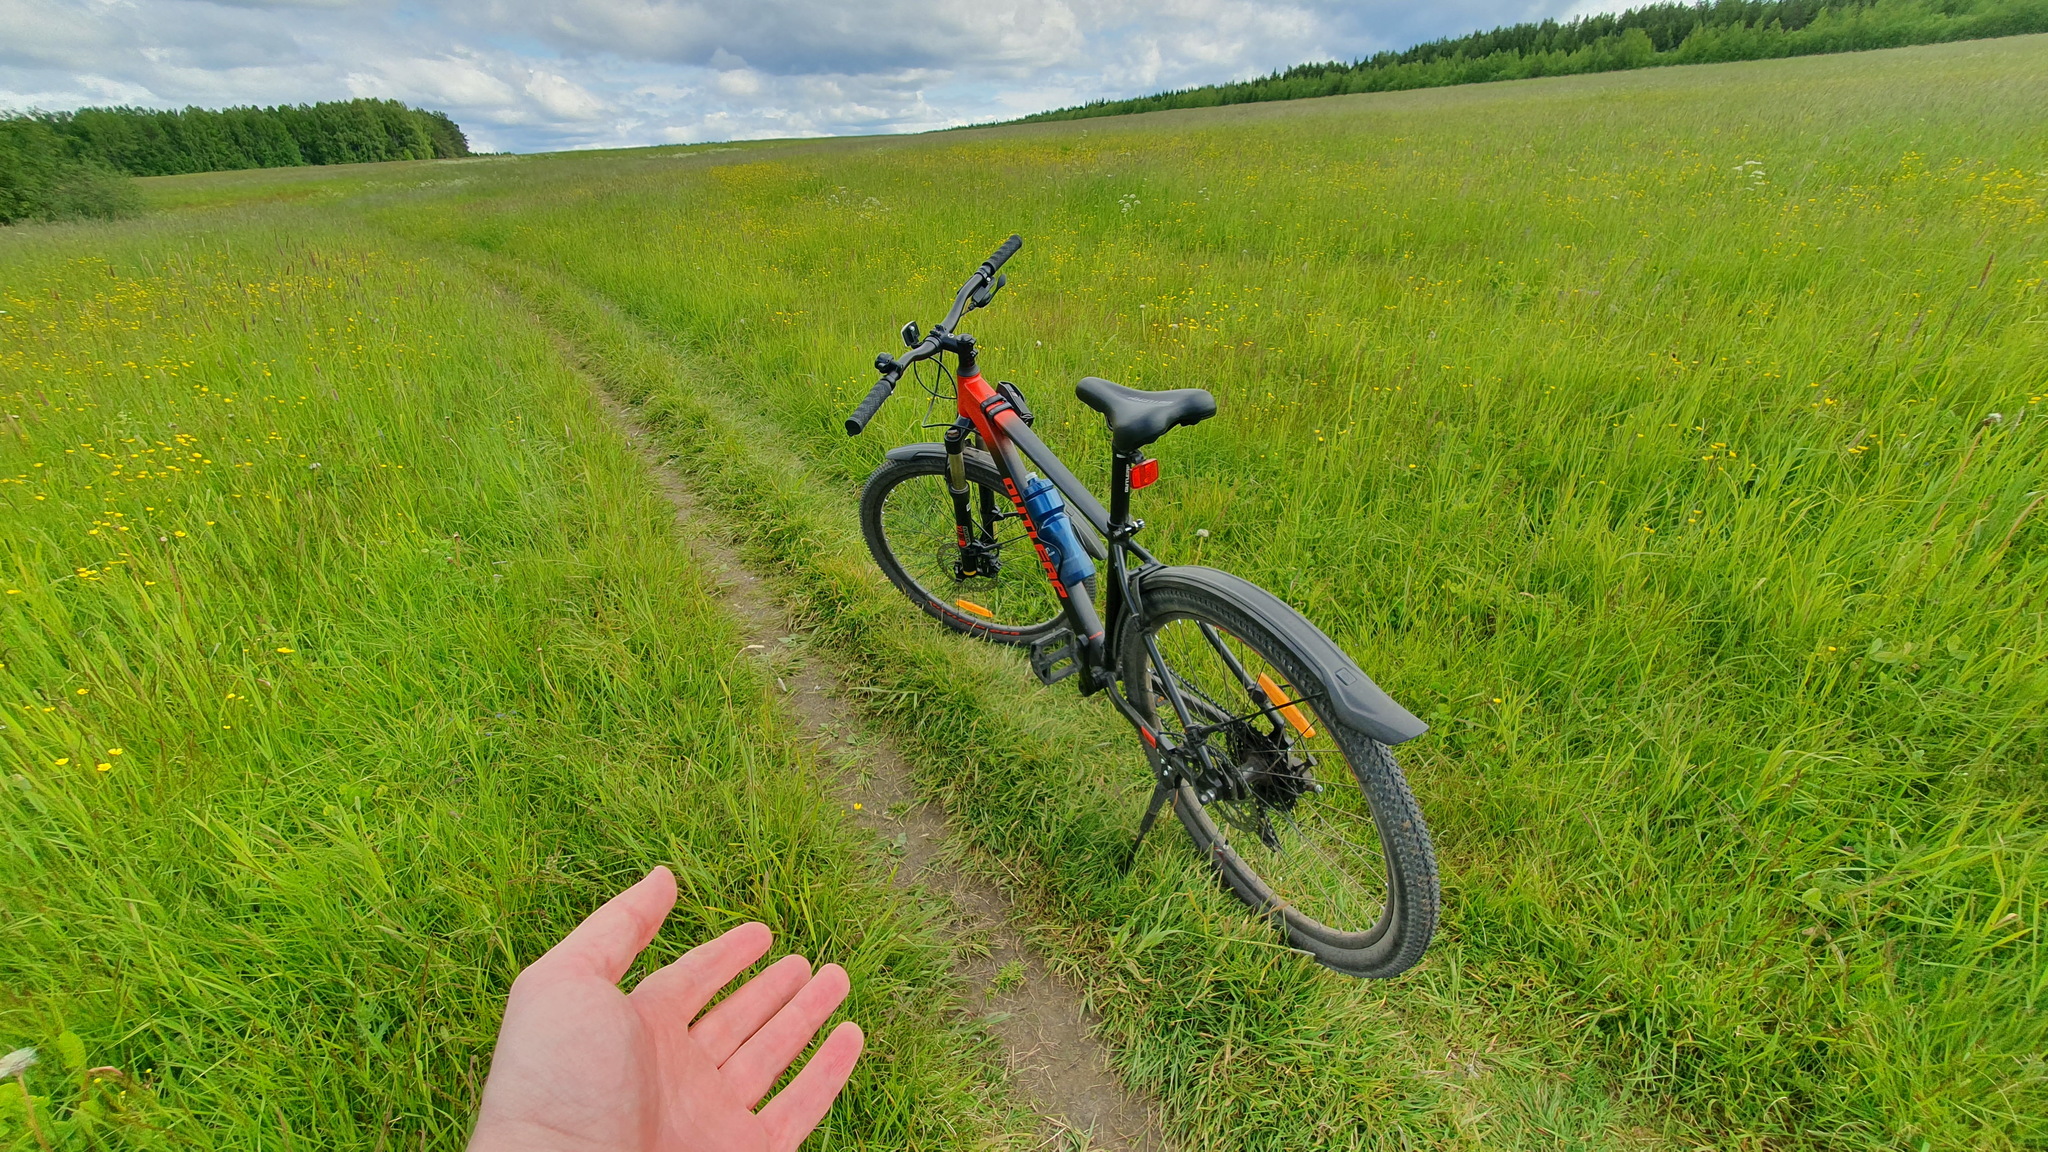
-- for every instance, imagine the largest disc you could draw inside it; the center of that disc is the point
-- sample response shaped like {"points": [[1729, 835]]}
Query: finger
{"points": [[608, 940], [796, 1109], [752, 1070], [677, 992], [740, 1015]]}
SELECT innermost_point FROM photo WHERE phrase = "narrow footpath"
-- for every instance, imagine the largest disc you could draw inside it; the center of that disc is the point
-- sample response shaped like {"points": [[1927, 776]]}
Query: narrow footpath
{"points": [[1054, 1060]]}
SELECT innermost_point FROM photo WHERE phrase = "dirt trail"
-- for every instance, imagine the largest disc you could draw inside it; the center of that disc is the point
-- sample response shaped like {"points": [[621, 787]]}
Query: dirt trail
{"points": [[1053, 1058]]}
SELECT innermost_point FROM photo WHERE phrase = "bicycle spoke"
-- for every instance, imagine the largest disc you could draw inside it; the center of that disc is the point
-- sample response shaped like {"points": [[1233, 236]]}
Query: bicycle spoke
{"points": [[918, 521], [1325, 858]]}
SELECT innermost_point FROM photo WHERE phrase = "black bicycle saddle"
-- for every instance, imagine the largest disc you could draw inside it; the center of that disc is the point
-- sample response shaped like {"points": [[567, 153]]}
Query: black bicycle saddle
{"points": [[1137, 418]]}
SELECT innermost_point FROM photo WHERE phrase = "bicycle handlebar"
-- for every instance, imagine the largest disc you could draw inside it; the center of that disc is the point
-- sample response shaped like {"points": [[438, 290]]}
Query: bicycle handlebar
{"points": [[1002, 255], [892, 368], [857, 422]]}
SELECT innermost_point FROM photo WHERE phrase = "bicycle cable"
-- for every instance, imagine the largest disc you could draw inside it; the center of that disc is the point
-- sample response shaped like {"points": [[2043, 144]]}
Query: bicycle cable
{"points": [[936, 396]]}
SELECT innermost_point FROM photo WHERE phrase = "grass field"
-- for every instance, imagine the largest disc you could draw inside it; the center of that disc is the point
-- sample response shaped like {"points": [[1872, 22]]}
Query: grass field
{"points": [[349, 659], [1672, 441]]}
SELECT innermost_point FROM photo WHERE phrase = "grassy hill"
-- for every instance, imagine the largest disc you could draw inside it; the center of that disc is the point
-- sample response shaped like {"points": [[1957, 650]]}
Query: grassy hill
{"points": [[1671, 440], [1661, 34]]}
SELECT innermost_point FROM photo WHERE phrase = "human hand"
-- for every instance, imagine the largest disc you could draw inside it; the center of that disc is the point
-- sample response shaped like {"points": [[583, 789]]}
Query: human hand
{"points": [[580, 1064]]}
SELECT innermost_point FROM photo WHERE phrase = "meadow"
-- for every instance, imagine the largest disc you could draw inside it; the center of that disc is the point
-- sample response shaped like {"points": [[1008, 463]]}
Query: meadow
{"points": [[1671, 441], [350, 658]]}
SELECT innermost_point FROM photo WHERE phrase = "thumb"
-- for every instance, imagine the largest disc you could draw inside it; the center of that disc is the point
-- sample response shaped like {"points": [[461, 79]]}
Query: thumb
{"points": [[606, 942]]}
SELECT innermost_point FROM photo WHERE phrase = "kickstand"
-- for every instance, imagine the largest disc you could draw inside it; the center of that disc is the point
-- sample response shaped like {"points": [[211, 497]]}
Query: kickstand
{"points": [[1161, 793]]}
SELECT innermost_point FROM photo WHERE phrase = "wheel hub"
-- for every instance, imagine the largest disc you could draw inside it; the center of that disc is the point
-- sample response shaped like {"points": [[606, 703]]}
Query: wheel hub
{"points": [[1273, 773], [976, 560]]}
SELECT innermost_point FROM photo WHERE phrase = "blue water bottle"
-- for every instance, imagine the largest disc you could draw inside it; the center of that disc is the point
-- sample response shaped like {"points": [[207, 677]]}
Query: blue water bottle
{"points": [[1056, 532]]}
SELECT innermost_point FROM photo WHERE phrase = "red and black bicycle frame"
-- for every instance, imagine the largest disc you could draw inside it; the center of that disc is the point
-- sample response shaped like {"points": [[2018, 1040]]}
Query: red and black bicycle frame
{"points": [[991, 413], [995, 416]]}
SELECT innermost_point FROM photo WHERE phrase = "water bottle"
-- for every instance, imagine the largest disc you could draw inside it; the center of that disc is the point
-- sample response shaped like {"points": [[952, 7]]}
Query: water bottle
{"points": [[1056, 532]]}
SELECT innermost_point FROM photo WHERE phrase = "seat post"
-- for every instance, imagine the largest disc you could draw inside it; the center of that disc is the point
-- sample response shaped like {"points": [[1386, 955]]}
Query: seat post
{"points": [[1120, 491]]}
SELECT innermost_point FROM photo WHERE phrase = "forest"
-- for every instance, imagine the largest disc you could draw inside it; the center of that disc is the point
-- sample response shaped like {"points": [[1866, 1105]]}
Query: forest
{"points": [[1646, 37], [61, 165]]}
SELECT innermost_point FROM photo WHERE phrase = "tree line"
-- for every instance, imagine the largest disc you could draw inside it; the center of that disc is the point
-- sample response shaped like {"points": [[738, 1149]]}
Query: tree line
{"points": [[57, 165], [1657, 34]]}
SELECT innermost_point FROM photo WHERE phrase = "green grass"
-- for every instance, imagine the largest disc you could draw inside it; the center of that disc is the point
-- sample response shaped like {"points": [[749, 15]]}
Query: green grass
{"points": [[1633, 429], [1246, 1045], [349, 659]]}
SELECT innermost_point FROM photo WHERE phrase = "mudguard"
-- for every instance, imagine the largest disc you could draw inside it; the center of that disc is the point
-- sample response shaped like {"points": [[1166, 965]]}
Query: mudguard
{"points": [[1355, 699], [913, 451]]}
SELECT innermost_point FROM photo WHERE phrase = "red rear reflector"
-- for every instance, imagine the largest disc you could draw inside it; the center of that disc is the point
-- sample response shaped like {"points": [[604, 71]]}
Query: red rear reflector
{"points": [[1142, 475]]}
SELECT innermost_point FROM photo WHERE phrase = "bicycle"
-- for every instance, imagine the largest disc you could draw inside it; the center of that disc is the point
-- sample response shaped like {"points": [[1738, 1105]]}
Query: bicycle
{"points": [[1246, 711]]}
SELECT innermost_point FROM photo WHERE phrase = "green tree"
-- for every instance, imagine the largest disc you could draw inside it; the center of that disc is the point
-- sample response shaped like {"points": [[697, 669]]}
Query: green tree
{"points": [[40, 178], [1657, 34], [148, 142]]}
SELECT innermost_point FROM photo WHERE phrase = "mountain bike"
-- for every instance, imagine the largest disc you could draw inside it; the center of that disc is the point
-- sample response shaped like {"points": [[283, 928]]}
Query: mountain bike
{"points": [[1268, 741]]}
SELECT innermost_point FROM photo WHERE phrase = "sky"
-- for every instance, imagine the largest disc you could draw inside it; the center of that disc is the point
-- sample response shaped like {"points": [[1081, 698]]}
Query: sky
{"points": [[544, 75]]}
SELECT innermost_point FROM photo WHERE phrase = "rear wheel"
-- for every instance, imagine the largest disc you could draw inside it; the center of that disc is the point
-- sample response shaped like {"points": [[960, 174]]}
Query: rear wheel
{"points": [[1309, 822], [993, 588]]}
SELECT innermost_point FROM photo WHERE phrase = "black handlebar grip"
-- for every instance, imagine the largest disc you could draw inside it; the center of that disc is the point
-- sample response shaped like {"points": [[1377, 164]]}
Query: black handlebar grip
{"points": [[1002, 255], [868, 407]]}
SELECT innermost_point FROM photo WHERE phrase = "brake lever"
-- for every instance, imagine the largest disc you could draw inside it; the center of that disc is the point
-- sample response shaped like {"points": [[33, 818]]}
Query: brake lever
{"points": [[987, 292]]}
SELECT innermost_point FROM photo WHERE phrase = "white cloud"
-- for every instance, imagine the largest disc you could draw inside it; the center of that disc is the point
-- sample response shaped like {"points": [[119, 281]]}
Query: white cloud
{"points": [[796, 36], [740, 82], [540, 74], [562, 98]]}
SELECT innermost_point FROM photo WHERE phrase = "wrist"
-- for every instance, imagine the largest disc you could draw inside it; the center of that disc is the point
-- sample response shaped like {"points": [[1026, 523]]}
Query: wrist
{"points": [[494, 1134]]}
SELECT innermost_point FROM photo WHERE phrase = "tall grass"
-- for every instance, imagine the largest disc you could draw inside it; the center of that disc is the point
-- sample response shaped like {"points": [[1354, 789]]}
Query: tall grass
{"points": [[1670, 440], [347, 658], [1242, 1044]]}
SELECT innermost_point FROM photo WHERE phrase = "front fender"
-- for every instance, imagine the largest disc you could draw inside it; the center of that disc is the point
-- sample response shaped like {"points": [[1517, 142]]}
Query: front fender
{"points": [[914, 451], [1354, 698]]}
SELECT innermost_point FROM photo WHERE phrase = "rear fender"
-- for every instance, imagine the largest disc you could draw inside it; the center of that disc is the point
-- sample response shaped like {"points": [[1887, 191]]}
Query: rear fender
{"points": [[1354, 698]]}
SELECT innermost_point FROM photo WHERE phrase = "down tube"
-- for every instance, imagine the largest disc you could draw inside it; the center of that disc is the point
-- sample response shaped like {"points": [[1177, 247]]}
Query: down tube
{"points": [[1080, 610]]}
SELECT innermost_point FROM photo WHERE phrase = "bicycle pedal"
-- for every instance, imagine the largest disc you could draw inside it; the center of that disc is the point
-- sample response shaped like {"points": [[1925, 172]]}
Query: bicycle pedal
{"points": [[1056, 657]]}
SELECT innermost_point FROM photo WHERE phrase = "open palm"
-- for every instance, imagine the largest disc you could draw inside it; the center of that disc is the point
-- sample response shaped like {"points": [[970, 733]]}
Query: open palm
{"points": [[581, 1064]]}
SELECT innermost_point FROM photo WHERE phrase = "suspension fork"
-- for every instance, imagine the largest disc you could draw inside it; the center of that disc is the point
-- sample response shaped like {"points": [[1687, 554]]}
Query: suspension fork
{"points": [[956, 483]]}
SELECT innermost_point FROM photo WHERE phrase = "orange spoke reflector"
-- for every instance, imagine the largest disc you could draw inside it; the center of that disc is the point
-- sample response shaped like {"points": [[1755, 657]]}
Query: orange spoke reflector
{"points": [[1287, 711], [977, 609]]}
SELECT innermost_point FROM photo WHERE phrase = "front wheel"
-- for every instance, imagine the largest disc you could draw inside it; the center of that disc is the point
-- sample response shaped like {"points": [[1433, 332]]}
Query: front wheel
{"points": [[989, 585], [1308, 821]]}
